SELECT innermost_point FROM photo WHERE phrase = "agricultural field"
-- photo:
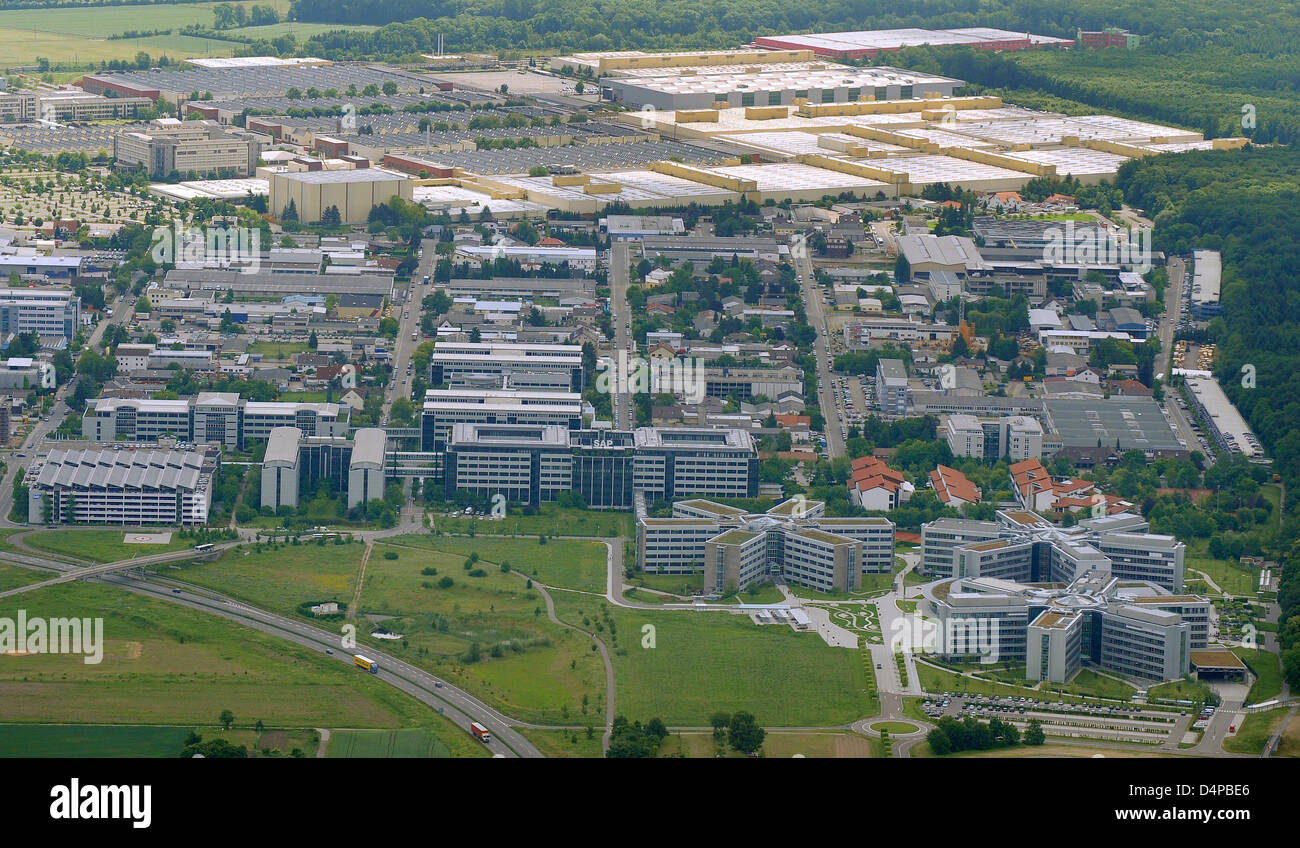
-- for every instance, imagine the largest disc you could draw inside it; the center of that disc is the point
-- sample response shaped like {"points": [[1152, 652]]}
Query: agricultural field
{"points": [[698, 663], [281, 579], [167, 665], [98, 544], [487, 633], [560, 562], [394, 744], [135, 741], [77, 35]]}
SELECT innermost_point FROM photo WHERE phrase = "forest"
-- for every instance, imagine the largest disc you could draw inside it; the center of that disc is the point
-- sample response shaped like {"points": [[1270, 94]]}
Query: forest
{"points": [[412, 26]]}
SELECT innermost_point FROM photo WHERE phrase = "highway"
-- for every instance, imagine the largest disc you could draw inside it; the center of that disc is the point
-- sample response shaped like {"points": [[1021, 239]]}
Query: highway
{"points": [[624, 411], [456, 705], [826, 398]]}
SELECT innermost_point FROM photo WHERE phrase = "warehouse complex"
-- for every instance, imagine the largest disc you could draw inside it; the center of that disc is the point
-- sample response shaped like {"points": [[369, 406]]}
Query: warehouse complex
{"points": [[865, 44]]}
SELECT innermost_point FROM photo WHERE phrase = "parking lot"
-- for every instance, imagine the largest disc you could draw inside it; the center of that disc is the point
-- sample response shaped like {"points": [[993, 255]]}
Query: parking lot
{"points": [[1114, 722]]}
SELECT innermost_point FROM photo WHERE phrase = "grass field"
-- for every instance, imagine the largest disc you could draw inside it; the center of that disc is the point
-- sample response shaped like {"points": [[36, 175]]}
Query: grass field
{"points": [[825, 745], [11, 576], [280, 580], [304, 397], [164, 664], [371, 744], [1267, 669], [566, 743], [277, 350], [1230, 576], [678, 584], [1255, 731], [698, 663], [528, 666], [1089, 682], [98, 544], [560, 562], [894, 727], [551, 520], [1179, 690]]}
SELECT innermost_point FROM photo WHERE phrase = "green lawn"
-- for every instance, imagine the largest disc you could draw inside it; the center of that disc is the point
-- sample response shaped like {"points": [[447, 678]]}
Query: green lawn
{"points": [[678, 584], [1230, 576], [1090, 683], [560, 562], [278, 350], [100, 544], [527, 667], [700, 662], [1255, 731], [304, 397], [941, 680], [551, 520], [1179, 690], [280, 580], [1267, 669], [894, 727]]}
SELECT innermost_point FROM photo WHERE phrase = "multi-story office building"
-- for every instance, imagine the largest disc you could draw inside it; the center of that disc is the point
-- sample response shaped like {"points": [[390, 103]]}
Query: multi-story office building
{"points": [[44, 311], [444, 408], [1023, 546], [534, 463], [295, 463], [676, 461], [891, 386], [1137, 630], [1016, 436], [211, 417], [140, 487], [468, 364], [173, 146], [793, 540]]}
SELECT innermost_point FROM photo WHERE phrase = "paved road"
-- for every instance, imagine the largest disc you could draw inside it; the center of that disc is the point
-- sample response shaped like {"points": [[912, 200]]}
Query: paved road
{"points": [[621, 314], [826, 397], [406, 308], [458, 706], [122, 311]]}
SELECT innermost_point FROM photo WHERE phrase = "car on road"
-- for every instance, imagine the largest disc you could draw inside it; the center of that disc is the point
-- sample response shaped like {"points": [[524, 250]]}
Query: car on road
{"points": [[329, 651], [176, 591], [437, 684]]}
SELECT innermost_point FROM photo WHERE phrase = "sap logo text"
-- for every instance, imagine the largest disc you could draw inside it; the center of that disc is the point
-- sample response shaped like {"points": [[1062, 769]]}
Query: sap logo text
{"points": [[92, 801]]}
